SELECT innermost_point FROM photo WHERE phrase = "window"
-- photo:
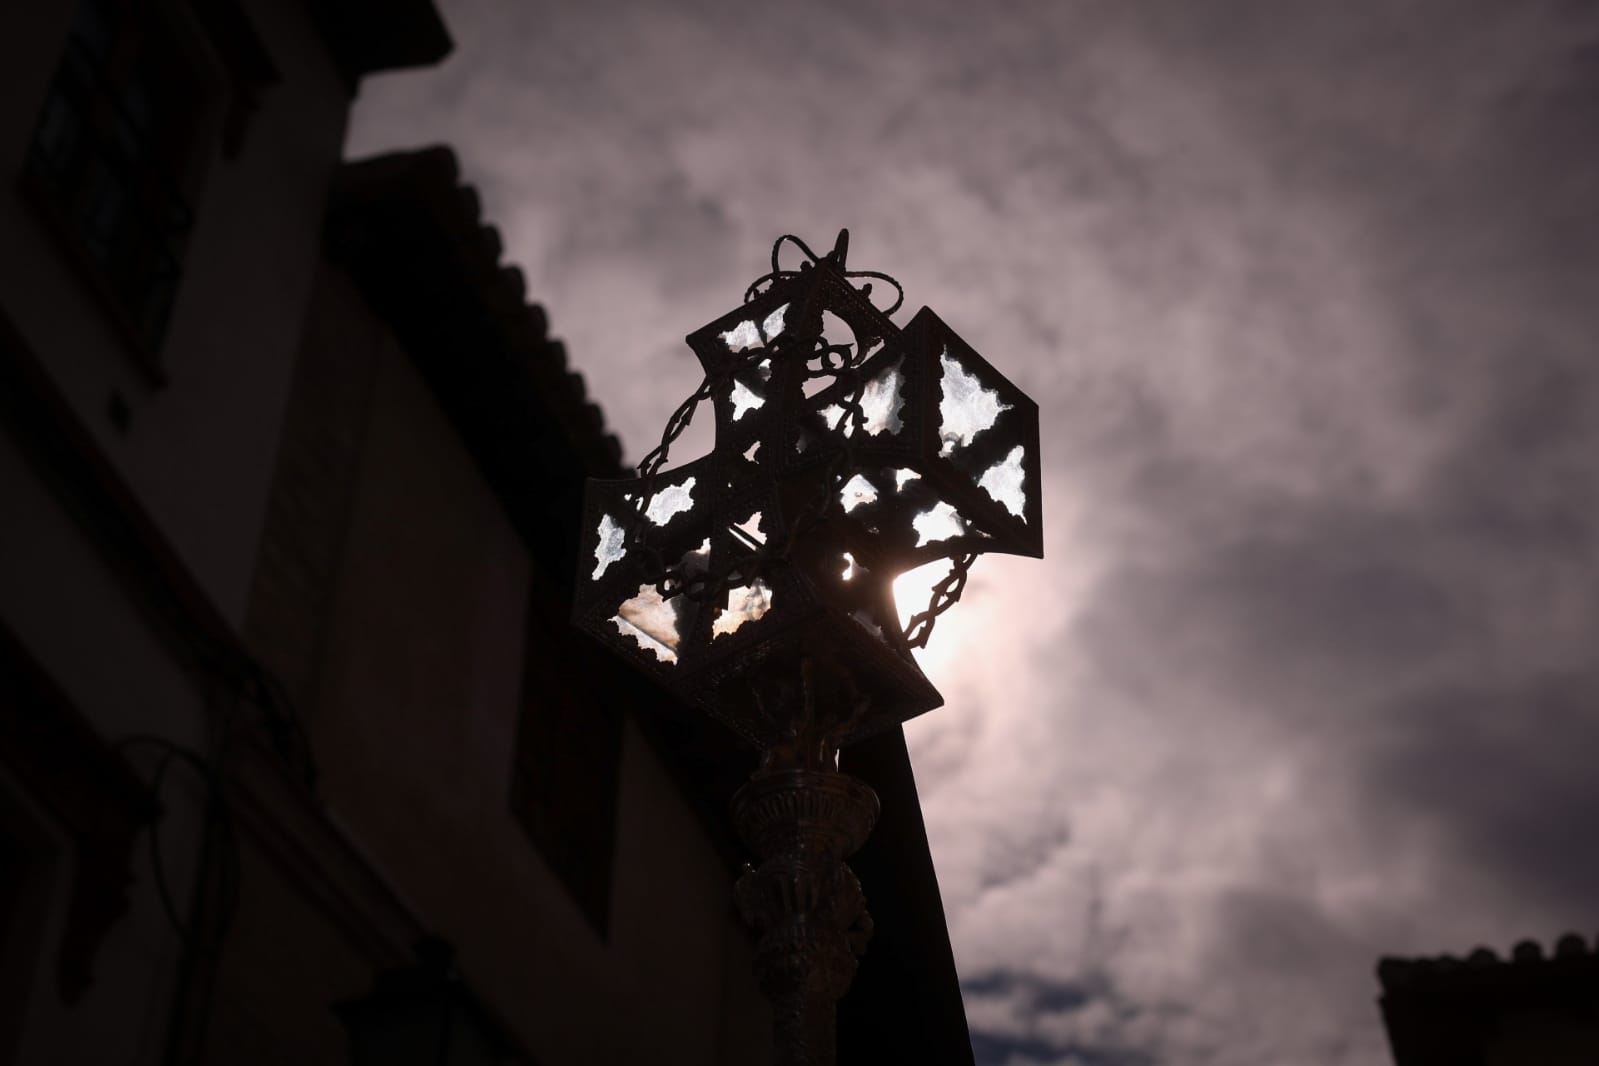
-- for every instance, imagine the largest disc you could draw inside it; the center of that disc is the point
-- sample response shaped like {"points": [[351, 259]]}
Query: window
{"points": [[116, 149], [564, 788]]}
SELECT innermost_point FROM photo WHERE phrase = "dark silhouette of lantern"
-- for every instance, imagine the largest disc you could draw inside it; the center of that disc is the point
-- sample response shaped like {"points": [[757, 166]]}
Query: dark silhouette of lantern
{"points": [[847, 451], [757, 581]]}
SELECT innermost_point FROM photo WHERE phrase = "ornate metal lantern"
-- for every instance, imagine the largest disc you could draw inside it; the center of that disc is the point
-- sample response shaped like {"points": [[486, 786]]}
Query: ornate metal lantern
{"points": [[757, 581], [847, 451]]}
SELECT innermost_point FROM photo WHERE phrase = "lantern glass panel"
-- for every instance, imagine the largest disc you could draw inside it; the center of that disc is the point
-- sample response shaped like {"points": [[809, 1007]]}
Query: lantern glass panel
{"points": [[966, 409], [746, 603], [611, 547], [1003, 481], [654, 622], [669, 502]]}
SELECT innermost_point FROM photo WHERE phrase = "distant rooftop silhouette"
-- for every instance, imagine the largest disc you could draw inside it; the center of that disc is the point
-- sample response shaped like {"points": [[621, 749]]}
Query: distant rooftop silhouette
{"points": [[1530, 1009]]}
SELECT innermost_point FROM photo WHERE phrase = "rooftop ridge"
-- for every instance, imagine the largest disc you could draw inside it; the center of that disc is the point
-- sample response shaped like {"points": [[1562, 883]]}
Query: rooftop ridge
{"points": [[1570, 949], [427, 182]]}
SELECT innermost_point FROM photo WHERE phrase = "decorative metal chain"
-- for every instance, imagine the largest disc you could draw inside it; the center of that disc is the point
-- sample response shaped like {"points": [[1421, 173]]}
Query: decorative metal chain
{"points": [[944, 596]]}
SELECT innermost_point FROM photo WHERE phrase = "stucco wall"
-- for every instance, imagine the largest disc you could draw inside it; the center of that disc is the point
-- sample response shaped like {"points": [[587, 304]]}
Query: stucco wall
{"points": [[196, 457], [198, 451], [414, 712], [411, 680]]}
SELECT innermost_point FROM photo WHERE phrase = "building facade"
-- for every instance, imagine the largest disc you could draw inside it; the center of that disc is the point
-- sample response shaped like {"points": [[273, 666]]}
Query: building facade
{"points": [[300, 760]]}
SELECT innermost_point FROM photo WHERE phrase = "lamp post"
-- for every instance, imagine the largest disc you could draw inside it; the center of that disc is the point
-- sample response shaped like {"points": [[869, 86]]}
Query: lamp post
{"points": [[757, 581]]}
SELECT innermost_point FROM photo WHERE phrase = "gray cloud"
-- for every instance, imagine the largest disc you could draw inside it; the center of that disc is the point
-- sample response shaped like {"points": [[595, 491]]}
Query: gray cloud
{"points": [[1306, 293], [1504, 776], [1035, 1003]]}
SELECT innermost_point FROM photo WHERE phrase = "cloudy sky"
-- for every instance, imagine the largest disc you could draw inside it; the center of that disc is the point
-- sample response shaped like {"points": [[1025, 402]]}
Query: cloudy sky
{"points": [[1309, 296]]}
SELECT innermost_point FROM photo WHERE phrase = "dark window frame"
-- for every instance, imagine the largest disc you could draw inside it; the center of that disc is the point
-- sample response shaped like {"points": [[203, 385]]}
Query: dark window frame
{"points": [[125, 133], [566, 780]]}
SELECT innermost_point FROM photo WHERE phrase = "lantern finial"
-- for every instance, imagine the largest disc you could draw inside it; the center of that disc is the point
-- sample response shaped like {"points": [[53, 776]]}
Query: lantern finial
{"points": [[840, 249]]}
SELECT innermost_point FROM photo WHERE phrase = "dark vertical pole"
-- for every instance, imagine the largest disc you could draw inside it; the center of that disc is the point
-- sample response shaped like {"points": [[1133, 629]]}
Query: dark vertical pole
{"points": [[805, 906]]}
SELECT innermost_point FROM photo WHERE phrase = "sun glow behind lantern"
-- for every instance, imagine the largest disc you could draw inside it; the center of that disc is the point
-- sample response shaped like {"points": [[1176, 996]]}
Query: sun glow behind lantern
{"points": [[912, 591]]}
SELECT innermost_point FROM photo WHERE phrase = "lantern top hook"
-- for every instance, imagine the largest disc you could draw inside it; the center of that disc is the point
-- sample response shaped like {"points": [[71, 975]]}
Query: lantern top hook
{"points": [[836, 258]]}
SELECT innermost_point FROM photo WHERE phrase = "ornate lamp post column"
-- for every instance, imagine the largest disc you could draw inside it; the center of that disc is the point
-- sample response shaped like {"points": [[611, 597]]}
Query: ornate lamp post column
{"points": [[757, 581]]}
